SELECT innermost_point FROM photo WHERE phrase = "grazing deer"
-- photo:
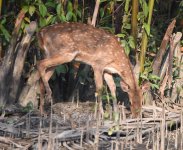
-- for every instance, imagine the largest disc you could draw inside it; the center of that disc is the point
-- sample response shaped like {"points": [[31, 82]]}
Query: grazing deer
{"points": [[65, 42]]}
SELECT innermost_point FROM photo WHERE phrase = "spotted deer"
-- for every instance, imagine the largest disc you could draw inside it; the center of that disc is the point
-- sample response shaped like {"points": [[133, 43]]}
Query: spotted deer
{"points": [[65, 42]]}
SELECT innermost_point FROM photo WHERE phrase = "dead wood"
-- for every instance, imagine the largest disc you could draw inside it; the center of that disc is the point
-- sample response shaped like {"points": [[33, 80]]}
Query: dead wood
{"points": [[158, 59], [9, 141], [174, 40], [22, 50], [163, 85], [28, 127], [164, 67], [13, 62], [8, 62], [177, 92], [30, 90], [10, 54], [8, 129], [166, 71]]}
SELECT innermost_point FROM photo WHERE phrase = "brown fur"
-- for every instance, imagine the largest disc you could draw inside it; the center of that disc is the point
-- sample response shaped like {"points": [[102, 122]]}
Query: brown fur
{"points": [[65, 42]]}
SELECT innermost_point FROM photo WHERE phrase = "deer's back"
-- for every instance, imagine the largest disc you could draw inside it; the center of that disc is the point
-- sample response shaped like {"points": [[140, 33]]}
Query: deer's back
{"points": [[62, 37]]}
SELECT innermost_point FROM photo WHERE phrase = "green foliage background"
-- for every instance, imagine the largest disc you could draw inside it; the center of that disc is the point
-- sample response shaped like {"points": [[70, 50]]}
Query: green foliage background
{"points": [[47, 12]]}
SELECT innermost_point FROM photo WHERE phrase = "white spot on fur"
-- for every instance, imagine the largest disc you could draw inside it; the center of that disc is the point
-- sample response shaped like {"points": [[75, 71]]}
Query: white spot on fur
{"points": [[46, 50]]}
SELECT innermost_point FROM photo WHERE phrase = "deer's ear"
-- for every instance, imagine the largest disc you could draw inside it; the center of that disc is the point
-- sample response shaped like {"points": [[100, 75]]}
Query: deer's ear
{"points": [[124, 86]]}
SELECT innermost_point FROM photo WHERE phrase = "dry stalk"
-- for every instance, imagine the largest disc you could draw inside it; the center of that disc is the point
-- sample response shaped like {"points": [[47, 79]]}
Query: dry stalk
{"points": [[95, 12], [176, 136], [39, 136], [148, 141], [96, 141], [181, 129], [96, 107], [81, 141], [50, 139], [166, 130], [126, 142], [158, 139], [138, 131], [153, 138], [174, 40], [123, 111], [163, 128], [77, 97]]}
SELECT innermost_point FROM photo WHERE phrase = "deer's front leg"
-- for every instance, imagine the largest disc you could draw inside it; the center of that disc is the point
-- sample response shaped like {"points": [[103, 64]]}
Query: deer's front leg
{"points": [[99, 85], [112, 87]]}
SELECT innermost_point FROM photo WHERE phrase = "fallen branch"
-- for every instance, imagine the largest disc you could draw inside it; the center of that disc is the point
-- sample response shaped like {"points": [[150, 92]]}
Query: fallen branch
{"points": [[158, 59]]}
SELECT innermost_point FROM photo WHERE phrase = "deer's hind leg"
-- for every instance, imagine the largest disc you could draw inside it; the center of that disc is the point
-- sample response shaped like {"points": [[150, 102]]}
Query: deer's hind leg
{"points": [[50, 62], [42, 89]]}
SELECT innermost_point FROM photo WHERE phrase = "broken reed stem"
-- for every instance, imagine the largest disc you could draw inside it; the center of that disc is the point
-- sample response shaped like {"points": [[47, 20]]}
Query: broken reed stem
{"points": [[140, 128], [181, 129], [81, 141], [148, 140], [158, 139], [39, 137], [96, 106], [163, 128], [97, 4], [176, 136], [50, 140], [96, 141], [126, 142], [77, 94], [138, 132]]}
